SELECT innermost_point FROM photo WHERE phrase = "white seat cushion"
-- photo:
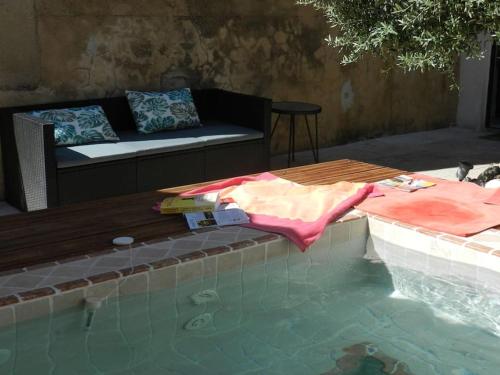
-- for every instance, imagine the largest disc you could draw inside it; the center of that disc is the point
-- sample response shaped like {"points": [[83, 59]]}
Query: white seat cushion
{"points": [[215, 133], [157, 143], [73, 156], [134, 144]]}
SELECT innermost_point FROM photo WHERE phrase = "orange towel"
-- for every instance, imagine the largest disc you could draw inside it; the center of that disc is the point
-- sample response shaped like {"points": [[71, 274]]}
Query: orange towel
{"points": [[287, 200], [452, 207]]}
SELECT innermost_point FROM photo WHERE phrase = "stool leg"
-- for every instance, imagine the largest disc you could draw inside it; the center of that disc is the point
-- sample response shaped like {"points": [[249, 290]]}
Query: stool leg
{"points": [[313, 149], [275, 124], [317, 144], [290, 140], [293, 137]]}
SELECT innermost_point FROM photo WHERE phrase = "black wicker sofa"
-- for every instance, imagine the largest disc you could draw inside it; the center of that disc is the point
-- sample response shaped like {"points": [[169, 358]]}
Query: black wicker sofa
{"points": [[234, 140]]}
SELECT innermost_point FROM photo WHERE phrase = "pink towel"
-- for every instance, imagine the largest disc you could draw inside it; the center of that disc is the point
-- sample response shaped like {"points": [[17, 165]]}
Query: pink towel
{"points": [[298, 212]]}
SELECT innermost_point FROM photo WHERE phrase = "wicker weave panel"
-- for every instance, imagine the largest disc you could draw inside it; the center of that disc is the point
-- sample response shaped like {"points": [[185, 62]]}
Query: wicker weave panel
{"points": [[29, 133]]}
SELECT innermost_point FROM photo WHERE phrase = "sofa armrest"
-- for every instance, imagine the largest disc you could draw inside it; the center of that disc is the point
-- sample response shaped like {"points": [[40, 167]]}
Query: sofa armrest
{"points": [[244, 110], [37, 164]]}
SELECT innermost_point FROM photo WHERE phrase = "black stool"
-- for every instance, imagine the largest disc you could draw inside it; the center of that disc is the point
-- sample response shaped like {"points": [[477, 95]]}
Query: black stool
{"points": [[293, 109]]}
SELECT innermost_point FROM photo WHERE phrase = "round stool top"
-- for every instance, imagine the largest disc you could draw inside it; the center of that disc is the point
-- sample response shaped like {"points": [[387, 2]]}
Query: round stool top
{"points": [[296, 108]]}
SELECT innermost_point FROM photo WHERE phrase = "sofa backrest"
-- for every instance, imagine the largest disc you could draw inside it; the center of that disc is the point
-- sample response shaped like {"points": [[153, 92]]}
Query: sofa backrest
{"points": [[117, 109]]}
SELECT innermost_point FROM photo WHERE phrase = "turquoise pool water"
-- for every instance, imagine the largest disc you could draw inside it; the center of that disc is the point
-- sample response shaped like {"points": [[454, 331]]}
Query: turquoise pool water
{"points": [[335, 314]]}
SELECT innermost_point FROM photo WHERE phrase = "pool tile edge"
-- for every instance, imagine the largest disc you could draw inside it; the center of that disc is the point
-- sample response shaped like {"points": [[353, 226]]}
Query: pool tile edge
{"points": [[468, 250], [205, 262]]}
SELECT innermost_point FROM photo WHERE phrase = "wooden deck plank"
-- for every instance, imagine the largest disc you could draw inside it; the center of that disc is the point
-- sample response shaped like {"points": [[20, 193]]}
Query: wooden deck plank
{"points": [[89, 227]]}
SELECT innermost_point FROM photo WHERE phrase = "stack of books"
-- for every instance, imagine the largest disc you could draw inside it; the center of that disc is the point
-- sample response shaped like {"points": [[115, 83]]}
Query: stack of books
{"points": [[205, 210]]}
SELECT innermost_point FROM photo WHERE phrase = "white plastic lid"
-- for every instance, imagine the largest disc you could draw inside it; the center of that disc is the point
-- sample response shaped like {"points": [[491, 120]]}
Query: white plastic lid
{"points": [[123, 241]]}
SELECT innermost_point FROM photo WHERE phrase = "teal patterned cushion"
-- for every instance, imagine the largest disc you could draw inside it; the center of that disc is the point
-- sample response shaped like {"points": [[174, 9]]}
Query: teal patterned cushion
{"points": [[157, 111], [78, 126]]}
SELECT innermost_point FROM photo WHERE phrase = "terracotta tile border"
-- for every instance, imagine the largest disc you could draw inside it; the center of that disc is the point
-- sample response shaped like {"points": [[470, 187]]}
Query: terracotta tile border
{"points": [[36, 293], [135, 245], [163, 263], [236, 246], [219, 250], [134, 270], [191, 256], [108, 251], [9, 300], [267, 238], [113, 249], [241, 244], [404, 225], [96, 279], [156, 240], [479, 247], [466, 242], [63, 287], [47, 292], [428, 232], [216, 250], [454, 239], [123, 273]]}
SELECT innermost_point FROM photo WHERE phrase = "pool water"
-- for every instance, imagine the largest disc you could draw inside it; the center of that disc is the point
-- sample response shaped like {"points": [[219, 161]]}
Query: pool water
{"points": [[330, 314]]}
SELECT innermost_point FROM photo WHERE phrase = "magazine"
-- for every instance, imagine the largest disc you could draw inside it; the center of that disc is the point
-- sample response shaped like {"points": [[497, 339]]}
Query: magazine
{"points": [[406, 183], [227, 214]]}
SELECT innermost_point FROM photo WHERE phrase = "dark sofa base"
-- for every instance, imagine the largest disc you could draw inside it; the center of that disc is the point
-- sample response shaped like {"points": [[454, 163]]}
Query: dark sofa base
{"points": [[33, 180], [83, 183]]}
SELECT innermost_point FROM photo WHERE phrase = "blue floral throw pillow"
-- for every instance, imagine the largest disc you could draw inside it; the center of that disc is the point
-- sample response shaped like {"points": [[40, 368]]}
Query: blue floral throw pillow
{"points": [[77, 126], [157, 111]]}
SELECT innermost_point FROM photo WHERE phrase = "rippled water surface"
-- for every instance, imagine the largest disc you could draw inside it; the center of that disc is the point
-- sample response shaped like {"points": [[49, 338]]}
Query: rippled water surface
{"points": [[332, 314]]}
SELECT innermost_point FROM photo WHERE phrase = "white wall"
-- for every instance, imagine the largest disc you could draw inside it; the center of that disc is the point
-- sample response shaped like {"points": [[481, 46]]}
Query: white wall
{"points": [[473, 97]]}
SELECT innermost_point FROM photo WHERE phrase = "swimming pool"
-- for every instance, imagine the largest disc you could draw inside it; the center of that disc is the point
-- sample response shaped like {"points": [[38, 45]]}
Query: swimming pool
{"points": [[328, 311]]}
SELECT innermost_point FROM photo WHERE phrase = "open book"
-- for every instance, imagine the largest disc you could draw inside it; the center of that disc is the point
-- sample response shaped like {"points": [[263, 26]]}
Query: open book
{"points": [[406, 183], [226, 214]]}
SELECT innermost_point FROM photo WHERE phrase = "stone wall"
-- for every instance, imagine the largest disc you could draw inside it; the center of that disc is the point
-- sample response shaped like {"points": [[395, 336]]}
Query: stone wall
{"points": [[67, 49]]}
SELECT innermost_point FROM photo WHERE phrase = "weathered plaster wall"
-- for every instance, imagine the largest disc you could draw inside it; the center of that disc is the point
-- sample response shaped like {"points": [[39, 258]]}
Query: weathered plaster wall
{"points": [[68, 49]]}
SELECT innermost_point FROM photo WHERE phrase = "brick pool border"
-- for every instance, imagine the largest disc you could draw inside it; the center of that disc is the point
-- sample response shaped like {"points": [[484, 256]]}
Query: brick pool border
{"points": [[167, 272]]}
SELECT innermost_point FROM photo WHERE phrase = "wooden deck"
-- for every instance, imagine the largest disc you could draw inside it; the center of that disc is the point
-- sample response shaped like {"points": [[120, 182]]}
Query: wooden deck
{"points": [[57, 234]]}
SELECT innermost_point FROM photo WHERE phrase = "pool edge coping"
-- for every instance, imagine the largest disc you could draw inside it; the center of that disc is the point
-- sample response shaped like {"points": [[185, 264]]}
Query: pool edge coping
{"points": [[469, 242], [117, 276], [33, 295]]}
